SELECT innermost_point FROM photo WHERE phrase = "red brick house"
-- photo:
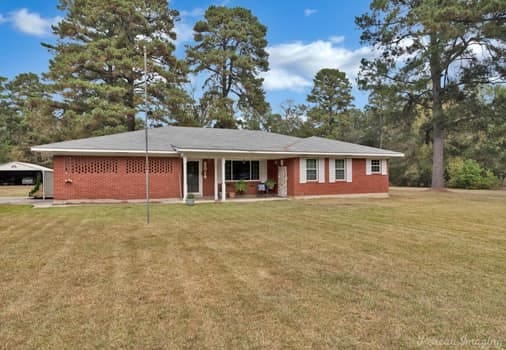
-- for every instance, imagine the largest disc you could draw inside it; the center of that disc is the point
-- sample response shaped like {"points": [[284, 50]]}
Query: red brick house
{"points": [[202, 161]]}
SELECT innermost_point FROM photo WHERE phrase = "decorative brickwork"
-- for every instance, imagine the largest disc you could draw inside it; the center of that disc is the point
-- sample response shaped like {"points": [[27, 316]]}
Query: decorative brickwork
{"points": [[156, 165], [82, 177]]}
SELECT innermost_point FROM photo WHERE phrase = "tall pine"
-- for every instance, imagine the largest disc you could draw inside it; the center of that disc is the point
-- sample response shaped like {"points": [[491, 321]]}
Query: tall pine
{"points": [[435, 52], [230, 50], [97, 67]]}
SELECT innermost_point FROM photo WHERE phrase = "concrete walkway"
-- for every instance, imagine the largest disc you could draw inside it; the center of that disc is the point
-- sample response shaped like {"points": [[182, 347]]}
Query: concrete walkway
{"points": [[37, 203], [40, 203]]}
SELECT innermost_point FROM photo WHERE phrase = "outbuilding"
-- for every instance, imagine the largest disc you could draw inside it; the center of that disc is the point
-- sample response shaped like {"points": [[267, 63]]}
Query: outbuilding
{"points": [[20, 173]]}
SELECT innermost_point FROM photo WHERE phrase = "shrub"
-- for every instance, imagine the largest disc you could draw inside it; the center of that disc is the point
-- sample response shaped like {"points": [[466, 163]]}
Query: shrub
{"points": [[469, 174], [36, 187]]}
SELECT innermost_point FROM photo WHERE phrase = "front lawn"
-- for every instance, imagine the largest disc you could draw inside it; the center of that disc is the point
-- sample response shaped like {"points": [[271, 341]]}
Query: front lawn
{"points": [[415, 270]]}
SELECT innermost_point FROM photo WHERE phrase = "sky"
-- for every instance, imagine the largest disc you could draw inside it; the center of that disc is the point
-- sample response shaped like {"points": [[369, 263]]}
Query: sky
{"points": [[303, 36]]}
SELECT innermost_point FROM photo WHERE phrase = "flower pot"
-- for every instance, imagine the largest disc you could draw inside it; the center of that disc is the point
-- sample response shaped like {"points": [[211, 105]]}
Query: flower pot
{"points": [[231, 194], [190, 201]]}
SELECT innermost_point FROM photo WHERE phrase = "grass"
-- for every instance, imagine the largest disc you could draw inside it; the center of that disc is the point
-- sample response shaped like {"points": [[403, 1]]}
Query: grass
{"points": [[405, 272], [15, 191]]}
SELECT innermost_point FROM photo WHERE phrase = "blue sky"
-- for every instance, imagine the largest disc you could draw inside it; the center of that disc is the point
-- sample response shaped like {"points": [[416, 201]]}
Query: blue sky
{"points": [[304, 36]]}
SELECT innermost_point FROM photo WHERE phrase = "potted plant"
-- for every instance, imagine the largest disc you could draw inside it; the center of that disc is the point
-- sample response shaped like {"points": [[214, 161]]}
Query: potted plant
{"points": [[240, 187], [270, 183], [190, 199]]}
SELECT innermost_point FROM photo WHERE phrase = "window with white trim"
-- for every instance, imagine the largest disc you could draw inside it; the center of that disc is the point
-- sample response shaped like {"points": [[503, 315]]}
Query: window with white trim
{"points": [[375, 166], [248, 170], [340, 169], [311, 169]]}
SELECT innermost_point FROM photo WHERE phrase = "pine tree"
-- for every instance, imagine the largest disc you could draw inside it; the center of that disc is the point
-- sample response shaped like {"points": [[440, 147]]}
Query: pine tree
{"points": [[97, 67], [5, 115], [434, 51], [230, 49], [331, 98], [32, 120]]}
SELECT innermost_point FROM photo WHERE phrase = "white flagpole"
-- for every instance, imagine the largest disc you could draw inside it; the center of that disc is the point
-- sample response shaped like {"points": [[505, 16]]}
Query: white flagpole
{"points": [[146, 130]]}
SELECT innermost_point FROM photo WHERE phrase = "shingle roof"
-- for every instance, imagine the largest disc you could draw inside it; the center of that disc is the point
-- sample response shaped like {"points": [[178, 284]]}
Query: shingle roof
{"points": [[176, 139], [322, 145]]}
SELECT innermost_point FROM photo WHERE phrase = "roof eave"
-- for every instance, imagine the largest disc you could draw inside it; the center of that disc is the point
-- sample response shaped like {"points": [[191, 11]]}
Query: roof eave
{"points": [[177, 151], [100, 152], [294, 153]]}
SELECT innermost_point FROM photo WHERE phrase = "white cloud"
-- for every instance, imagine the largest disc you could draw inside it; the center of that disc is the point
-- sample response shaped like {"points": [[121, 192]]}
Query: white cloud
{"points": [[31, 22], [294, 65], [336, 39], [184, 32], [309, 12], [196, 12], [2, 18]]}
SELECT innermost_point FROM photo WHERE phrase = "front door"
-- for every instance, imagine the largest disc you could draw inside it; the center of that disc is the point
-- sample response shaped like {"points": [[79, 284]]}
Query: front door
{"points": [[193, 176]]}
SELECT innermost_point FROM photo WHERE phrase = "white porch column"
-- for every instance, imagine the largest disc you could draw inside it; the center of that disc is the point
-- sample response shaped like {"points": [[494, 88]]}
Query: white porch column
{"points": [[43, 184], [185, 180], [216, 179], [223, 184]]}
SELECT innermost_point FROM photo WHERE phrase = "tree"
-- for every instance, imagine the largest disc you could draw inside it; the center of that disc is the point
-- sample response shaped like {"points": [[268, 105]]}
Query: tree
{"points": [[31, 116], [434, 51], [97, 69], [5, 116], [482, 132], [331, 98], [230, 50]]}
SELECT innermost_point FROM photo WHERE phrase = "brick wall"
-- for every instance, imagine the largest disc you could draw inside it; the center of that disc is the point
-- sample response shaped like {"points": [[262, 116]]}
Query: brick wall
{"points": [[361, 183], [115, 177], [124, 178]]}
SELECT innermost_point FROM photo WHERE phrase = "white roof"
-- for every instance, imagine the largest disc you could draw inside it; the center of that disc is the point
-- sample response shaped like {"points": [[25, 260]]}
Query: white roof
{"points": [[20, 166]]}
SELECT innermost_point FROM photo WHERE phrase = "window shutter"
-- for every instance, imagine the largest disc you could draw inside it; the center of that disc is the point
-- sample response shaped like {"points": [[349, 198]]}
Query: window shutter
{"points": [[321, 170], [302, 170], [384, 167], [332, 170], [368, 167], [349, 170], [262, 164]]}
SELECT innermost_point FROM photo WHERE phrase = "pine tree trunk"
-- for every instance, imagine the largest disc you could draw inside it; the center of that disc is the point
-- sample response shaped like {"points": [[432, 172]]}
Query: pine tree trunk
{"points": [[130, 117], [130, 122], [437, 118], [437, 157]]}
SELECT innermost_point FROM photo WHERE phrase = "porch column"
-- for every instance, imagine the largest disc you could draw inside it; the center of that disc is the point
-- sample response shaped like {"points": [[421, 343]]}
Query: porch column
{"points": [[43, 184], [216, 179], [223, 184], [185, 184]]}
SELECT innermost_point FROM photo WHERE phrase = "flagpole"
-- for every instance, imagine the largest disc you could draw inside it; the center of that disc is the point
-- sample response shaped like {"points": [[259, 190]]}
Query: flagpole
{"points": [[146, 131]]}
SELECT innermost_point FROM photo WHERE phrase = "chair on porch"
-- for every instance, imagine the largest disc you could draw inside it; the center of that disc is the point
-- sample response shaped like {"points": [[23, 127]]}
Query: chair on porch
{"points": [[262, 188]]}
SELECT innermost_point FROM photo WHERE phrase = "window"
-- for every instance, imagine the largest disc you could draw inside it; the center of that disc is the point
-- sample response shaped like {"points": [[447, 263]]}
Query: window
{"points": [[340, 169], [242, 170], [311, 170], [375, 166]]}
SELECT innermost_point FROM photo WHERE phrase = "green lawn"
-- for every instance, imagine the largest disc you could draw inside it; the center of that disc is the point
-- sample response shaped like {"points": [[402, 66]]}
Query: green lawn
{"points": [[405, 272]]}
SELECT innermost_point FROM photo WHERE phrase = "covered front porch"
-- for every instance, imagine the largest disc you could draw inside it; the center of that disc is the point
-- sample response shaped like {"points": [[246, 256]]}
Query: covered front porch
{"points": [[233, 176]]}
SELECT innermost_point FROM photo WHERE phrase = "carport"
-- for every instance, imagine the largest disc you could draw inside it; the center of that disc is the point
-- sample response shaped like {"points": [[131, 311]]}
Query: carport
{"points": [[20, 173]]}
